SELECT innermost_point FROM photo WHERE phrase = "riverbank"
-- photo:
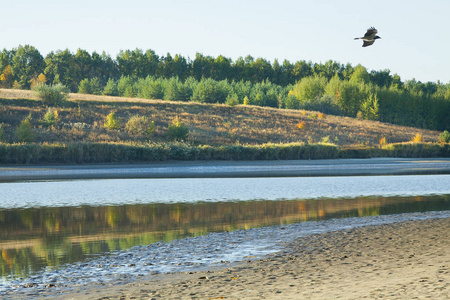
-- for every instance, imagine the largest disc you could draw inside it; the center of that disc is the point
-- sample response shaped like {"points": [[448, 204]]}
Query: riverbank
{"points": [[404, 260], [403, 256], [229, 169]]}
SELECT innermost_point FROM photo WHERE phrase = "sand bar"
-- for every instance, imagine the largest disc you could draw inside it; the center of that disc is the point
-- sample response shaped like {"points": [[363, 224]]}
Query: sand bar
{"points": [[223, 169], [405, 260]]}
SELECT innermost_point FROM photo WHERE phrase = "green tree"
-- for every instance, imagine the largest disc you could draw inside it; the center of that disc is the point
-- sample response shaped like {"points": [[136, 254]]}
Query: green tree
{"points": [[125, 87], [85, 86], [211, 91], [95, 86], [221, 68], [360, 75], [349, 98], [111, 88], [24, 132], [232, 99], [6, 58], [370, 107], [310, 88], [27, 64], [61, 67], [174, 89], [201, 66]]}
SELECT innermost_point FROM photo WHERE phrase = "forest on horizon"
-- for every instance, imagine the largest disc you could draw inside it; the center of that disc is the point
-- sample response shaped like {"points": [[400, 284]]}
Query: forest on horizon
{"points": [[330, 87]]}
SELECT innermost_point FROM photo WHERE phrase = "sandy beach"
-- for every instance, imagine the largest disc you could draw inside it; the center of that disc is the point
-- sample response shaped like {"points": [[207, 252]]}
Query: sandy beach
{"points": [[406, 260], [230, 169]]}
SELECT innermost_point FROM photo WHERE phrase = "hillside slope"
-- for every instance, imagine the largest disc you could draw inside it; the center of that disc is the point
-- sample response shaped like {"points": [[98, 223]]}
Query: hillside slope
{"points": [[82, 118]]}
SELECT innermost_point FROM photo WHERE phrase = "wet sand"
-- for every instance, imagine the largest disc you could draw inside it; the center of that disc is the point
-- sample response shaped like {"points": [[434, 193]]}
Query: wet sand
{"points": [[406, 260], [229, 169]]}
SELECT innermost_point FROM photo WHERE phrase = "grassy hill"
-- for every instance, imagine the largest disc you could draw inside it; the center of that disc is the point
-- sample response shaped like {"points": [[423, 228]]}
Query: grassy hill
{"points": [[82, 118]]}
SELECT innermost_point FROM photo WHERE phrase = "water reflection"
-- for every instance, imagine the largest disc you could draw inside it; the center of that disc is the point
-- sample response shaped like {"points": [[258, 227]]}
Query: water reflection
{"points": [[35, 238]]}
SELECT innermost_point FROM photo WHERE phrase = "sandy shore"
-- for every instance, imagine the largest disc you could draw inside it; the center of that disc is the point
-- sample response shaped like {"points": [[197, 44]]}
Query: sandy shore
{"points": [[229, 169], [407, 260]]}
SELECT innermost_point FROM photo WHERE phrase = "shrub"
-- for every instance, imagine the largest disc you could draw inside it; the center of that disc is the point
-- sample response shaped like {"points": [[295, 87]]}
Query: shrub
{"points": [[418, 138], [140, 125], [444, 137], [24, 131], [246, 101], [178, 131], [326, 140], [383, 141], [50, 118], [51, 94], [2, 134], [301, 125], [111, 121]]}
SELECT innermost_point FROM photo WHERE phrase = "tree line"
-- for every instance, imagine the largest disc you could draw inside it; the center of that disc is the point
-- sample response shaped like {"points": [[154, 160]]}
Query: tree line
{"points": [[330, 87]]}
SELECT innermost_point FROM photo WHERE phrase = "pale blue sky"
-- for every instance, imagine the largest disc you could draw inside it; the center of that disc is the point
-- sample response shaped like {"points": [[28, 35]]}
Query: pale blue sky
{"points": [[415, 34]]}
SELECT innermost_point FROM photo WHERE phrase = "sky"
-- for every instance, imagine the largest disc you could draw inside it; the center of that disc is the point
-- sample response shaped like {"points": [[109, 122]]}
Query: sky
{"points": [[415, 35]]}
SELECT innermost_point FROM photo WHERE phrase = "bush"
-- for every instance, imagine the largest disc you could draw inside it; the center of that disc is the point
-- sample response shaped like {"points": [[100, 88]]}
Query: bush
{"points": [[2, 134], [24, 131], [51, 118], [111, 121], [443, 137], [140, 125], [51, 94], [418, 138], [178, 131]]}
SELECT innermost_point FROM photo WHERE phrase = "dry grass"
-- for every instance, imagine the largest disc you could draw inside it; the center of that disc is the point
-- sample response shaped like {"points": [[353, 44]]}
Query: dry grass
{"points": [[209, 124]]}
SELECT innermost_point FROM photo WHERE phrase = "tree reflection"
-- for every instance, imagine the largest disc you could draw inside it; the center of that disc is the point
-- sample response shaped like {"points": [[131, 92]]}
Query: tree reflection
{"points": [[34, 238]]}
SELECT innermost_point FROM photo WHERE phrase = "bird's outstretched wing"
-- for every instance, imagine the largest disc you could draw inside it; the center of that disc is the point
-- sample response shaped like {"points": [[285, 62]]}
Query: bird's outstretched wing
{"points": [[366, 43], [371, 32]]}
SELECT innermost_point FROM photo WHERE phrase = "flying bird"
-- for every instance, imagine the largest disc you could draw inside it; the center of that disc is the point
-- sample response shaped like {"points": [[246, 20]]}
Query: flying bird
{"points": [[370, 37]]}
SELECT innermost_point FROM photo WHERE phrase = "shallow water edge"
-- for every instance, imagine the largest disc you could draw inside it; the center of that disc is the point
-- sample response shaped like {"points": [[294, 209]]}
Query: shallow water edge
{"points": [[225, 169], [215, 250]]}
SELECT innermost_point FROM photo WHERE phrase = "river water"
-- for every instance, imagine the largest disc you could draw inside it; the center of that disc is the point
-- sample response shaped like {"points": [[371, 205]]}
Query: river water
{"points": [[51, 227]]}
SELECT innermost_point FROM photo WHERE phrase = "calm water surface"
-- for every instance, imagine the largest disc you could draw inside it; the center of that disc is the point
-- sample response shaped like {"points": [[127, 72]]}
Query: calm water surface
{"points": [[50, 223]]}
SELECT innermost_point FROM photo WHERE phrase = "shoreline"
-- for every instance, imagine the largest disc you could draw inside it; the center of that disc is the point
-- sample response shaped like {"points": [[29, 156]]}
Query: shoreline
{"points": [[395, 261], [229, 169], [396, 257]]}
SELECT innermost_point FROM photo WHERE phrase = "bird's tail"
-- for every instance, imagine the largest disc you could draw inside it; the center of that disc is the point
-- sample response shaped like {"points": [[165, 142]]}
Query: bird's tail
{"points": [[356, 38]]}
